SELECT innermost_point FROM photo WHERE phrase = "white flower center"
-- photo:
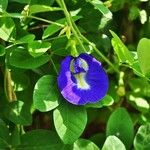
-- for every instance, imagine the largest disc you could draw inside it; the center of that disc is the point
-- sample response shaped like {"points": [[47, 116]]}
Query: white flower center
{"points": [[81, 82], [79, 68]]}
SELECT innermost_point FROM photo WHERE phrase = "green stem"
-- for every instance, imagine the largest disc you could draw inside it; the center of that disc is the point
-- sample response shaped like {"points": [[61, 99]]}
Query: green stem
{"points": [[9, 91], [94, 47], [68, 18], [140, 74], [5, 84], [78, 34], [54, 65], [54, 38], [105, 59], [34, 17], [59, 3], [44, 20]]}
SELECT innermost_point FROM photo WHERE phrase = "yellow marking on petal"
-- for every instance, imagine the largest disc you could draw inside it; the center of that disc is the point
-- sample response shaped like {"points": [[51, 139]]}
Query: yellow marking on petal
{"points": [[83, 62], [72, 66], [81, 82]]}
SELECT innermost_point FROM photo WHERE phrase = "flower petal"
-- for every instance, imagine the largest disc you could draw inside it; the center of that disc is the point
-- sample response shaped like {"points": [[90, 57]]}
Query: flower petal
{"points": [[65, 66], [65, 81], [83, 87]]}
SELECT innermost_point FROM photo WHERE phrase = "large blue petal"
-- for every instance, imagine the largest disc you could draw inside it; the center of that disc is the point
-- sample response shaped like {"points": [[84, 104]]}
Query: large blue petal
{"points": [[66, 81], [95, 77]]}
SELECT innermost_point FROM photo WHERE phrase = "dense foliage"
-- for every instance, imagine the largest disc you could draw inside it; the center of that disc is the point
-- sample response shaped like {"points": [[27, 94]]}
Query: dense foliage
{"points": [[35, 36]]}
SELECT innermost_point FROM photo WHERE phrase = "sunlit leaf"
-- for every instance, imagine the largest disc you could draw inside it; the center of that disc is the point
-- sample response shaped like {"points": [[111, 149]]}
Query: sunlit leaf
{"points": [[20, 58], [38, 48], [139, 103], [143, 16], [7, 29], [120, 125], [26, 39], [101, 7], [42, 8], [69, 121], [140, 86], [121, 50], [18, 113], [113, 143], [143, 55], [142, 138], [82, 144], [40, 140], [46, 96]]}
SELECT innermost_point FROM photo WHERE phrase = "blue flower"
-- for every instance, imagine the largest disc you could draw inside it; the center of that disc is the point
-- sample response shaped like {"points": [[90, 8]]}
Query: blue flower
{"points": [[82, 79]]}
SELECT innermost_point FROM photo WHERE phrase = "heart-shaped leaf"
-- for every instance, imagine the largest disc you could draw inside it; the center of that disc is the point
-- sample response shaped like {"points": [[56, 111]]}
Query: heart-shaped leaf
{"points": [[46, 96], [69, 121]]}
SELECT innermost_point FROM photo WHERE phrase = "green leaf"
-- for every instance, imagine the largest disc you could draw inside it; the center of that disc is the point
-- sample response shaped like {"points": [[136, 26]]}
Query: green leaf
{"points": [[42, 8], [143, 56], [22, 1], [69, 121], [4, 145], [26, 39], [18, 113], [39, 2], [143, 16], [121, 50], [101, 7], [113, 143], [106, 101], [4, 132], [113, 91], [120, 125], [51, 29], [40, 140], [139, 103], [82, 144], [142, 138], [98, 139], [134, 13], [95, 105], [59, 46], [38, 48], [7, 29], [46, 96], [16, 15], [15, 136], [3, 5], [143, 118], [20, 81], [136, 68], [117, 5], [140, 86], [20, 58], [2, 50]]}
